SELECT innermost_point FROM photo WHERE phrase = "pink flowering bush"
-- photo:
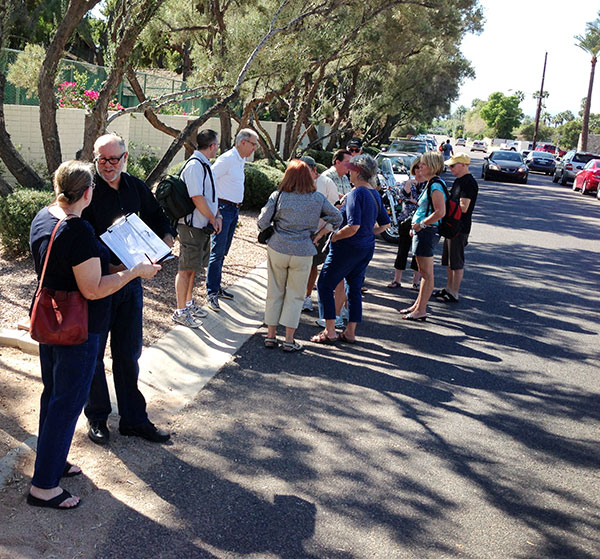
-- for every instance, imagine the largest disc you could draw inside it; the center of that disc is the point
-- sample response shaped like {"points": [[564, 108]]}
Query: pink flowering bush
{"points": [[73, 96]]}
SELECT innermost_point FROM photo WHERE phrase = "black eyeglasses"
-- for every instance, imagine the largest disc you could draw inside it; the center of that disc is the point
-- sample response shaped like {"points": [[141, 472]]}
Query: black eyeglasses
{"points": [[111, 160]]}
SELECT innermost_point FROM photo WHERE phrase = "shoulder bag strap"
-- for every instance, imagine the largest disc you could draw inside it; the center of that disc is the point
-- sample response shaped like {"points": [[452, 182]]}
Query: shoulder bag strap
{"points": [[41, 281], [275, 210]]}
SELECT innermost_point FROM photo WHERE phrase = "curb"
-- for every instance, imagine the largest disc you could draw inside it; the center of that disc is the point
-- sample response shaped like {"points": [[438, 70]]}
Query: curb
{"points": [[180, 364]]}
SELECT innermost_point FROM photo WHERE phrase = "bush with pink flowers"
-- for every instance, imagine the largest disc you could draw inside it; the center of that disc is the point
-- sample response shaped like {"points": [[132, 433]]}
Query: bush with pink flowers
{"points": [[74, 96]]}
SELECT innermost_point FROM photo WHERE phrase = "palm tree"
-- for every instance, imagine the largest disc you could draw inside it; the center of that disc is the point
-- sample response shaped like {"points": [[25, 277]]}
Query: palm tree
{"points": [[590, 43]]}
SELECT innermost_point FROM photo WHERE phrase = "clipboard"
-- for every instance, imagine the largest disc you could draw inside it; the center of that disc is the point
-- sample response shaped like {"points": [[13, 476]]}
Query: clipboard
{"points": [[134, 242]]}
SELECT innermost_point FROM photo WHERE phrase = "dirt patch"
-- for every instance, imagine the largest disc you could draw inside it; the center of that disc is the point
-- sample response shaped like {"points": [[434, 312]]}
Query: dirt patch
{"points": [[30, 533]]}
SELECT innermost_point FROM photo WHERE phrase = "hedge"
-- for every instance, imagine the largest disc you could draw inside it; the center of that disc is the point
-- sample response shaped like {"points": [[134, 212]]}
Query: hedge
{"points": [[17, 211], [261, 180]]}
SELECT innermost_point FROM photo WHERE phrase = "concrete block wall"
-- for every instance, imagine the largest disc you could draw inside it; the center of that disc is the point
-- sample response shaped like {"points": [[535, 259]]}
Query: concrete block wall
{"points": [[593, 144]]}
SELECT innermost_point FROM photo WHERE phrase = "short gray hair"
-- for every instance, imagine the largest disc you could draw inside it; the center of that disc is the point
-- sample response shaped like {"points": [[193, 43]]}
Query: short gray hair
{"points": [[107, 138], [368, 165], [245, 134]]}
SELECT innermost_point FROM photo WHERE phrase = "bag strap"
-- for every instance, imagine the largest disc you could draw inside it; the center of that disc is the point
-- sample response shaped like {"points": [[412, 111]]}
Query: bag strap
{"points": [[428, 187], [41, 281], [275, 210]]}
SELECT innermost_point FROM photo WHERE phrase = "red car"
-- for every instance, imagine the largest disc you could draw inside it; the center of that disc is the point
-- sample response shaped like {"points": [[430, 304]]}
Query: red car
{"points": [[550, 148], [588, 178]]}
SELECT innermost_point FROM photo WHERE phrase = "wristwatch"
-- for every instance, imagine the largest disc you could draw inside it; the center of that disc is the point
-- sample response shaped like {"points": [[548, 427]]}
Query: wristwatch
{"points": [[422, 224]]}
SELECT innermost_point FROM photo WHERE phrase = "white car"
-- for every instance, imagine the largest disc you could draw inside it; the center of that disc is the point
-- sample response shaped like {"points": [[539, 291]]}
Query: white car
{"points": [[461, 142], [479, 145]]}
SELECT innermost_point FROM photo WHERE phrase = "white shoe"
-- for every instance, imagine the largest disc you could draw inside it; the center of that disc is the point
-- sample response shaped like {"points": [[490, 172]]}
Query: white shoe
{"points": [[339, 322], [308, 304], [196, 311], [186, 319]]}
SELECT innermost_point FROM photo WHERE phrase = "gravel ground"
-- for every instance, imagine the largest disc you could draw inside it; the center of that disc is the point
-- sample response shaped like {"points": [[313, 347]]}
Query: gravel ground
{"points": [[18, 282]]}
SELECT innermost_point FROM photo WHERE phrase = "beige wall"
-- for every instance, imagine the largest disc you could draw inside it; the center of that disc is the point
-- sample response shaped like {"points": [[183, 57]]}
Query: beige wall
{"points": [[593, 144], [23, 125]]}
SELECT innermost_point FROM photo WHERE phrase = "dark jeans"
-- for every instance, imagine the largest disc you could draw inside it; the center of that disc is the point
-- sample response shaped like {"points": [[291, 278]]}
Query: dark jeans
{"points": [[220, 247], [67, 372], [348, 262], [126, 348]]}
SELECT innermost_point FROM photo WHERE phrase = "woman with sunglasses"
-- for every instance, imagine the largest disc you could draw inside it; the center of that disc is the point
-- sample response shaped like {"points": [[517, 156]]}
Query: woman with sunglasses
{"points": [[76, 262], [411, 189]]}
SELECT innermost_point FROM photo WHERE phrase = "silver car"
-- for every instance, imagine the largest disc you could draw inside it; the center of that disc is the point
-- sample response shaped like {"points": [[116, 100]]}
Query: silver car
{"points": [[571, 164]]}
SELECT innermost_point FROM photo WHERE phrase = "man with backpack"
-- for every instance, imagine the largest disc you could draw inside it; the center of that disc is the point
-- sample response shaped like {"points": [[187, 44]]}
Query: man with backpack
{"points": [[195, 230], [464, 191]]}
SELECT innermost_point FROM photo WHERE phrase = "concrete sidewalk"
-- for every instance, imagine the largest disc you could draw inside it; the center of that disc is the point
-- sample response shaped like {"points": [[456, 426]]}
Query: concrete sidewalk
{"points": [[178, 366]]}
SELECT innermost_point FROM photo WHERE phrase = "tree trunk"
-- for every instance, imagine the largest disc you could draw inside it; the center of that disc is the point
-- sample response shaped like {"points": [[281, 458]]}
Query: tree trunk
{"points": [[15, 164], [344, 109], [50, 139], [225, 119], [586, 111], [289, 121], [121, 57]]}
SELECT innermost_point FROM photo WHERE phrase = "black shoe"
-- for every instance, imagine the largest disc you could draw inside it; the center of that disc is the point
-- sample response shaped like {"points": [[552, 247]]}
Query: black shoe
{"points": [[147, 431], [225, 294], [98, 432]]}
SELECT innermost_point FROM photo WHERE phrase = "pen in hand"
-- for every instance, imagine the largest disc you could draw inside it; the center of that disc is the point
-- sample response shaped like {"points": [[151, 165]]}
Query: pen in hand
{"points": [[148, 258]]}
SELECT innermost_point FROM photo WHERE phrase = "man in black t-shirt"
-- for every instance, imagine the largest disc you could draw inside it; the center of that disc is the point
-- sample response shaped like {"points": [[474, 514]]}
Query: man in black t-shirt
{"points": [[118, 193], [464, 190]]}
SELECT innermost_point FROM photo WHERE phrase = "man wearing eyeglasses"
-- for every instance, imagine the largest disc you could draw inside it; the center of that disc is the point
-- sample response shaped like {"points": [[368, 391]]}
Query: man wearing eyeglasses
{"points": [[228, 171], [117, 194]]}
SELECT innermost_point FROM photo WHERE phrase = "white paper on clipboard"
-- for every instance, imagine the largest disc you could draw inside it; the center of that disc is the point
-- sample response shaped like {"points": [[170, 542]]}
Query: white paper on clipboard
{"points": [[134, 242]]}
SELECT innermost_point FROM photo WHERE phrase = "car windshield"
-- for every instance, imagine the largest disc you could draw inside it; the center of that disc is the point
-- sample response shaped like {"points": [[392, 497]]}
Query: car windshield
{"points": [[407, 145], [583, 157], [385, 165], [400, 163], [506, 156], [542, 155]]}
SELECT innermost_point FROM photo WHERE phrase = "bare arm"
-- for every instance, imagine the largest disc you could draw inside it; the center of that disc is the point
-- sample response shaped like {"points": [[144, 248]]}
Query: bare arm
{"points": [[464, 204], [439, 211], [93, 285], [202, 207], [345, 232]]}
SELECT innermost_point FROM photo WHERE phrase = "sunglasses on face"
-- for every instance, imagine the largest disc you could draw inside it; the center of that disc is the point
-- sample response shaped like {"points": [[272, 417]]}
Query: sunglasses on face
{"points": [[354, 150], [111, 160]]}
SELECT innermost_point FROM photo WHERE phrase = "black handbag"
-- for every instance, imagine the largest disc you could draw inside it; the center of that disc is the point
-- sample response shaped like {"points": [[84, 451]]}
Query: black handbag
{"points": [[265, 234]]}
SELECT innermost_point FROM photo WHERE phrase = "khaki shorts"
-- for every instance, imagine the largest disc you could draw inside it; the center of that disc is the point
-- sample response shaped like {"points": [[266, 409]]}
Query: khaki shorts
{"points": [[194, 248], [453, 254]]}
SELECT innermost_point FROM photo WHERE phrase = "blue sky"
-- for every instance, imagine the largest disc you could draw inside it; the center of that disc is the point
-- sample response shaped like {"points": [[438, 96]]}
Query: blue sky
{"points": [[509, 54]]}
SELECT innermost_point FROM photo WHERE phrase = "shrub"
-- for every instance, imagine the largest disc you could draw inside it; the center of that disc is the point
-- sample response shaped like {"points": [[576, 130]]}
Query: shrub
{"points": [[260, 181], [17, 211], [371, 150], [321, 168], [321, 156], [141, 165]]}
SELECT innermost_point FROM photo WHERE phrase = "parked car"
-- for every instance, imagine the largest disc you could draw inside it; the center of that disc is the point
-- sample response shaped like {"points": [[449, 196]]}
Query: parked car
{"points": [[571, 164], [588, 178], [511, 145], [461, 142], [479, 145], [541, 161], [410, 146], [525, 153], [504, 164], [550, 148]]}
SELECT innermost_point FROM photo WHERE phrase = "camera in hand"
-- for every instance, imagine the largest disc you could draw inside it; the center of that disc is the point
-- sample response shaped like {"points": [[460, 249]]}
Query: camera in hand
{"points": [[208, 229]]}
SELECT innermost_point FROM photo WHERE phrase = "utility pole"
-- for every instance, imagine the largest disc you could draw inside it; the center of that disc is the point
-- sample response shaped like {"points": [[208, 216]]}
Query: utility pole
{"points": [[539, 107]]}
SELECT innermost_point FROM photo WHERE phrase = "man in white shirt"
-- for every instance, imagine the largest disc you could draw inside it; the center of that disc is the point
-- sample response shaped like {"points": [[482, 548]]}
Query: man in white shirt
{"points": [[328, 188], [338, 172], [228, 171], [195, 229]]}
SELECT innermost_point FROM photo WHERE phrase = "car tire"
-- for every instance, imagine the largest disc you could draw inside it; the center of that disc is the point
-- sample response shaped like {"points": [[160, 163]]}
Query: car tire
{"points": [[583, 188], [555, 177], [524, 181], [574, 187], [563, 179]]}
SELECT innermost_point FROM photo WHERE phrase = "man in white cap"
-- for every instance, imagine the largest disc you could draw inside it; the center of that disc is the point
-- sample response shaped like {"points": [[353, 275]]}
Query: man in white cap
{"points": [[464, 190]]}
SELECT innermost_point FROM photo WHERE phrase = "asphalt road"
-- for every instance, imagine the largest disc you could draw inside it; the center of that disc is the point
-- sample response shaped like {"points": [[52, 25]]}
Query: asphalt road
{"points": [[474, 435]]}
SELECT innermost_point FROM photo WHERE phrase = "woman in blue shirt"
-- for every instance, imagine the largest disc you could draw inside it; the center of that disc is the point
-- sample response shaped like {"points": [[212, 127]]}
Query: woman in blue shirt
{"points": [[425, 233], [351, 249]]}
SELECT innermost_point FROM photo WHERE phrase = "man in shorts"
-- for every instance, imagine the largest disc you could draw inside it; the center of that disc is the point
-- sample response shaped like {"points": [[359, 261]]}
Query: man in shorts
{"points": [[464, 190], [195, 230]]}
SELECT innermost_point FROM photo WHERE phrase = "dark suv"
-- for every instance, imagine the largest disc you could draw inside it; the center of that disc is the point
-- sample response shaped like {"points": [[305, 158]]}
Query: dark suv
{"points": [[570, 165]]}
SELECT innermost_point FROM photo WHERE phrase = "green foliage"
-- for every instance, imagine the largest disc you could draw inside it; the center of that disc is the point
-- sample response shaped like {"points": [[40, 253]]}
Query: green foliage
{"points": [[142, 164], [321, 156], [260, 182], [568, 134], [371, 150], [321, 168], [502, 114], [17, 211], [24, 71]]}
